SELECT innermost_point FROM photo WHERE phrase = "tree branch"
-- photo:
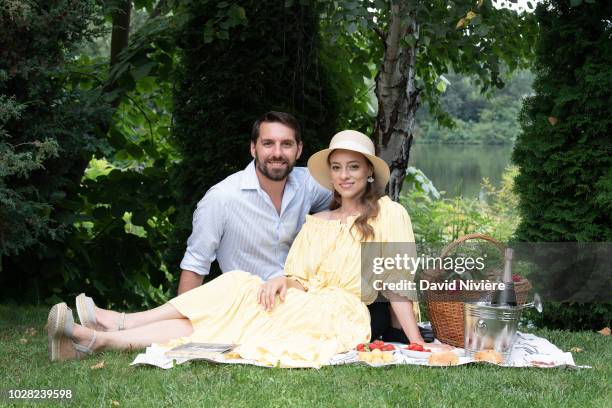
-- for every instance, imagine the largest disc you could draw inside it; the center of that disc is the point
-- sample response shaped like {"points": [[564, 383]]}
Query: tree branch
{"points": [[381, 34], [158, 9]]}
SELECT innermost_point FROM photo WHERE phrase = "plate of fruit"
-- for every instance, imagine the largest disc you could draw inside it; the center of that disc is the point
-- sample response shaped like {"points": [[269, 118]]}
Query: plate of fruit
{"points": [[415, 350], [376, 353]]}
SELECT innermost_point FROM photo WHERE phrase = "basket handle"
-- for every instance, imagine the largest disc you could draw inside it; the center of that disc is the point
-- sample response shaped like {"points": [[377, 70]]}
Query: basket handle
{"points": [[463, 238]]}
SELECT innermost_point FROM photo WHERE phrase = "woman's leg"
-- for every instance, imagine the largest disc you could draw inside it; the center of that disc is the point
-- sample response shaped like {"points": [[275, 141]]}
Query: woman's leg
{"points": [[136, 338], [111, 320]]}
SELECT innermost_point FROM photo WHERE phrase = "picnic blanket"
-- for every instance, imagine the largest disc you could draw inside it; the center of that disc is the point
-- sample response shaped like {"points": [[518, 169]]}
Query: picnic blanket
{"points": [[529, 351]]}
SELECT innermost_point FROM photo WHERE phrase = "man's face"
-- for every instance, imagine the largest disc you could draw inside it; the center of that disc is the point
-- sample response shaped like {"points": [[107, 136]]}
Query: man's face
{"points": [[276, 150]]}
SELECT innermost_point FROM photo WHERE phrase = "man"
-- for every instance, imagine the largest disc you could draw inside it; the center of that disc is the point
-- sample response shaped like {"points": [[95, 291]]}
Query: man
{"points": [[249, 220]]}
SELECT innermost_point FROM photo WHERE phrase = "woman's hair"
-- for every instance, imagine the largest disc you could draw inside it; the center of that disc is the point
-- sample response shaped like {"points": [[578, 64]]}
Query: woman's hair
{"points": [[369, 201]]}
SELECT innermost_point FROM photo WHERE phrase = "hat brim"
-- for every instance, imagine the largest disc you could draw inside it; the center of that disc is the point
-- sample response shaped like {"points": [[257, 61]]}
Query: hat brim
{"points": [[319, 168]]}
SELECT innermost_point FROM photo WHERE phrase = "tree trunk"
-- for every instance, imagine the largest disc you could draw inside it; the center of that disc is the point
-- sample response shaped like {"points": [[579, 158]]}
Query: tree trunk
{"points": [[121, 29], [398, 97]]}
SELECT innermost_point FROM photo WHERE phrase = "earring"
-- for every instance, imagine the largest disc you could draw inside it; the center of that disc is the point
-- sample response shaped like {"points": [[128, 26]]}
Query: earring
{"points": [[370, 179]]}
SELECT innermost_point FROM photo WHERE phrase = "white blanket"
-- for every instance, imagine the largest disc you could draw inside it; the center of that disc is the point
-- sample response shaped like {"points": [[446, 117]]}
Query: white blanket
{"points": [[528, 351]]}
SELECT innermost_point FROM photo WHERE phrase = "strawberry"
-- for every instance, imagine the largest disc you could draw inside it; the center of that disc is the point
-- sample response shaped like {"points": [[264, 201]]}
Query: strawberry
{"points": [[361, 347], [516, 278], [388, 347]]}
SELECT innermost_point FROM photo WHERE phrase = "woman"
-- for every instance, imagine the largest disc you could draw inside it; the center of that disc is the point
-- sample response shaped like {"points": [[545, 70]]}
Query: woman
{"points": [[323, 311]]}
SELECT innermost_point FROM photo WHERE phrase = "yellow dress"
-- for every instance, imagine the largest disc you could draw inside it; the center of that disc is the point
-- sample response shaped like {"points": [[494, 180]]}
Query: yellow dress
{"points": [[310, 327]]}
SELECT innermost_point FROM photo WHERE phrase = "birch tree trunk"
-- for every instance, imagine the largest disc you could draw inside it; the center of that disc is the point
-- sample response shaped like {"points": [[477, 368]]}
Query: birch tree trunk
{"points": [[398, 97]]}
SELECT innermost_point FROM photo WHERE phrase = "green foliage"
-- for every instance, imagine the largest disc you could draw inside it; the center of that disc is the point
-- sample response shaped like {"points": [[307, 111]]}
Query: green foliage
{"points": [[270, 59], [125, 198], [23, 220], [565, 151], [466, 37], [113, 224], [490, 118], [46, 131], [442, 220]]}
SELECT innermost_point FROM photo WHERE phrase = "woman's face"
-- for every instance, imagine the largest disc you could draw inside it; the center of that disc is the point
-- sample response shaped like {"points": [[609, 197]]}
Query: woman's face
{"points": [[349, 173]]}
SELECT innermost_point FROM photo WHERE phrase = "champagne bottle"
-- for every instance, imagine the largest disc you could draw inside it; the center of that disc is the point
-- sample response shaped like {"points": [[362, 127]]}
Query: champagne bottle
{"points": [[507, 296]]}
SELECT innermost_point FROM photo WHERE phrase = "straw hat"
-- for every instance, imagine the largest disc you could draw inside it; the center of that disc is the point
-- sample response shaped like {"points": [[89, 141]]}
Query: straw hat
{"points": [[348, 140]]}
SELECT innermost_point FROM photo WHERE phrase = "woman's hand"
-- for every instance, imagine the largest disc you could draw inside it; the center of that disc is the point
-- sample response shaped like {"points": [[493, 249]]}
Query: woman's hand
{"points": [[268, 290], [438, 347]]}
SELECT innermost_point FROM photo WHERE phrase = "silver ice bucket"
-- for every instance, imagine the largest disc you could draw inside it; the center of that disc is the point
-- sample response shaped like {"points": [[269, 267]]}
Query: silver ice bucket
{"points": [[490, 328]]}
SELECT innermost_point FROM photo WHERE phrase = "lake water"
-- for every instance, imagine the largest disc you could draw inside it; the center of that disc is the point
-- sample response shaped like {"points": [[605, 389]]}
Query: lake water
{"points": [[459, 169]]}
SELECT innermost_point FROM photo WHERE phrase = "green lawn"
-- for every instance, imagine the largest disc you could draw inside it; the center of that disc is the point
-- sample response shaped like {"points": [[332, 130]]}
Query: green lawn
{"points": [[24, 365]]}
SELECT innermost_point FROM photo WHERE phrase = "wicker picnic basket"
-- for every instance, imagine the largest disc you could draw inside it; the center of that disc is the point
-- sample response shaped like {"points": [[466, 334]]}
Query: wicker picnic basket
{"points": [[445, 309]]}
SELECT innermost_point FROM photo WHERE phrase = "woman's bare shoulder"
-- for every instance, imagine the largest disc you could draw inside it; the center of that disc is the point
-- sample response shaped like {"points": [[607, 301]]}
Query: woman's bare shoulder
{"points": [[324, 215]]}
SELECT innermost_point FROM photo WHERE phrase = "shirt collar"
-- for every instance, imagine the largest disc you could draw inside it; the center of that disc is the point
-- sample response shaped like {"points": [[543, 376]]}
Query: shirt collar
{"points": [[249, 178]]}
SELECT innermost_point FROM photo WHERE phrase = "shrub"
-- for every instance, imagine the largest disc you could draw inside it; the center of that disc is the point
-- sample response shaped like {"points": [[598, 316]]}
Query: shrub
{"points": [[564, 151], [47, 136]]}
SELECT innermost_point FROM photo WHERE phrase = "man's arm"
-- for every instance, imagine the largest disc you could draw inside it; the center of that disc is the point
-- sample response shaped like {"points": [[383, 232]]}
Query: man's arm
{"points": [[202, 245], [189, 280]]}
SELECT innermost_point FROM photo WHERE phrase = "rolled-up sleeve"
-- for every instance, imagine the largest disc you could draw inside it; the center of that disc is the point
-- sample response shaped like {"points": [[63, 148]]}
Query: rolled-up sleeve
{"points": [[208, 226]]}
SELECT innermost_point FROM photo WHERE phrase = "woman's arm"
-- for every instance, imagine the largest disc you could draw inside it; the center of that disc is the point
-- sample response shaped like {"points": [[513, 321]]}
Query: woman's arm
{"points": [[402, 308], [294, 283], [405, 315]]}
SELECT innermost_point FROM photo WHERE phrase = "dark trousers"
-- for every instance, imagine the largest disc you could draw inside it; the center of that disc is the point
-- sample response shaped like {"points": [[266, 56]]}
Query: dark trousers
{"points": [[380, 323]]}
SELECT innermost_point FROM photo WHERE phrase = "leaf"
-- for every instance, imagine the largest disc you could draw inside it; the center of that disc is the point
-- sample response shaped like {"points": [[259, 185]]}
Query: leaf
{"points": [[410, 40], [576, 350], [460, 23], [241, 13], [441, 86], [552, 120], [480, 3], [208, 33], [476, 20], [470, 15], [98, 366], [605, 331], [143, 70], [115, 403]]}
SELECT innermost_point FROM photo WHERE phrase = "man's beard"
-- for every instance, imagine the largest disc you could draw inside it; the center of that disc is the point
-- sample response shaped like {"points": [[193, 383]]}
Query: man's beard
{"points": [[274, 174]]}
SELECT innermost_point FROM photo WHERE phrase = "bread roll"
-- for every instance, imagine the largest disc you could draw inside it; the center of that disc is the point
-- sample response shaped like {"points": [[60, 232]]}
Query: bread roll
{"points": [[491, 356], [443, 358]]}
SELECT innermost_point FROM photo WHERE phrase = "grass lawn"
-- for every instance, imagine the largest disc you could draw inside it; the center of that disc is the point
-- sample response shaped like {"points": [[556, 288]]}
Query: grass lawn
{"points": [[24, 365]]}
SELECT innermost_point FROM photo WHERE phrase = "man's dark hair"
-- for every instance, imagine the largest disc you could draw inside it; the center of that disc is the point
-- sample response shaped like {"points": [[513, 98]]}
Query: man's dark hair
{"points": [[277, 117]]}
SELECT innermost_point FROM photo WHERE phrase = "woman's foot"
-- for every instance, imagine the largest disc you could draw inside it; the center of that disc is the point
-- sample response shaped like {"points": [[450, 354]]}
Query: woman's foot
{"points": [[86, 338], [96, 318], [60, 333]]}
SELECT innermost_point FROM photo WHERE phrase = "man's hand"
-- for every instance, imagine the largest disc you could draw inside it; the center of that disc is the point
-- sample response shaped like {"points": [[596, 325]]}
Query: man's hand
{"points": [[268, 290], [188, 281]]}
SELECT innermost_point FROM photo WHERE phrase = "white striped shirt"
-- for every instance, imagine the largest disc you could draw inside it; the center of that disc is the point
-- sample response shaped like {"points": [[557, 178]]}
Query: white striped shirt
{"points": [[237, 223]]}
